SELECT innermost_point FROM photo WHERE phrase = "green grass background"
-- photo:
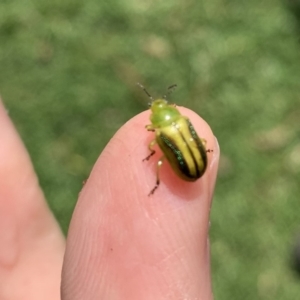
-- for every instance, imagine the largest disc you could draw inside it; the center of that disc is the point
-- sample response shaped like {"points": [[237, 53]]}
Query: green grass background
{"points": [[67, 76]]}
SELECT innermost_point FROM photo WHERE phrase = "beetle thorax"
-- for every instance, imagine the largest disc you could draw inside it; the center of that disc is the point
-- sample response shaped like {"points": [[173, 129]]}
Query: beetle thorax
{"points": [[163, 114]]}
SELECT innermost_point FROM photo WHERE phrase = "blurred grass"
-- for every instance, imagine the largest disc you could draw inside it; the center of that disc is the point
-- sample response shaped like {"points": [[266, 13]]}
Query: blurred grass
{"points": [[68, 71]]}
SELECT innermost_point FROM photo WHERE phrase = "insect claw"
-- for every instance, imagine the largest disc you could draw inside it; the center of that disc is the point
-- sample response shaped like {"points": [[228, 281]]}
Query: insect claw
{"points": [[148, 157], [153, 190]]}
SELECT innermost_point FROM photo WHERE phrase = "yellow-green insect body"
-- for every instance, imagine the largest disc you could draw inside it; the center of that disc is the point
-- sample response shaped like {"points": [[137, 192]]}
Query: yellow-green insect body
{"points": [[183, 149], [178, 140]]}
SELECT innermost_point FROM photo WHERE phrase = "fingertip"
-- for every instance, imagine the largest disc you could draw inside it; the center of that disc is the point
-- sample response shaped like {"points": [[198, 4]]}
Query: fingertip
{"points": [[120, 169], [123, 159], [116, 227]]}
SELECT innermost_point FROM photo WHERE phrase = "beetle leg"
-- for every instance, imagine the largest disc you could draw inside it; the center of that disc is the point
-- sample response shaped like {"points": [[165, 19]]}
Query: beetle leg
{"points": [[204, 142], [159, 164], [150, 128], [151, 145]]}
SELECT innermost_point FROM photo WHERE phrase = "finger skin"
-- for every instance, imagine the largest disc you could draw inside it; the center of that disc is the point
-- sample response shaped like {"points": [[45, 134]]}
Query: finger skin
{"points": [[31, 243], [123, 244]]}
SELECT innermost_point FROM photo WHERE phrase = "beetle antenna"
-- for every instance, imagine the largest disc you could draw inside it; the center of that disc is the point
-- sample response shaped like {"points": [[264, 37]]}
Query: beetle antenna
{"points": [[146, 92], [170, 90]]}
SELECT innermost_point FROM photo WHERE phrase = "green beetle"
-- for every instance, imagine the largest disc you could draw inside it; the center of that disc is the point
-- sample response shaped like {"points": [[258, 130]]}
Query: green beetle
{"points": [[178, 140]]}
